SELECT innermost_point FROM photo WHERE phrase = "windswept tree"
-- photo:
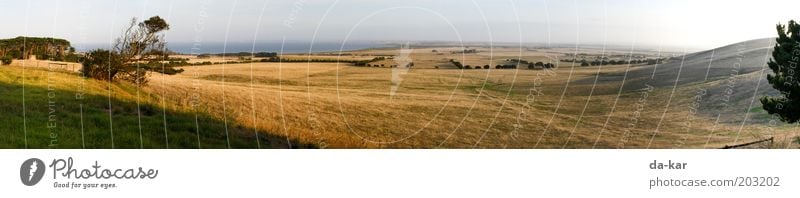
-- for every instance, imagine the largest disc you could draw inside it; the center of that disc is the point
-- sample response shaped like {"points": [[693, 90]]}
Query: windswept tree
{"points": [[785, 77], [139, 50]]}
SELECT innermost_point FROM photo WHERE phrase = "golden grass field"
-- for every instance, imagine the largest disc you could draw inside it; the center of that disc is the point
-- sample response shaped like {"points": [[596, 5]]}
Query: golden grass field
{"points": [[330, 105], [341, 106]]}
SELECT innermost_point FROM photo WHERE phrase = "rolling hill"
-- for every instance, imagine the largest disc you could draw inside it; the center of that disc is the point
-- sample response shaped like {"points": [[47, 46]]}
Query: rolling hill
{"points": [[59, 109]]}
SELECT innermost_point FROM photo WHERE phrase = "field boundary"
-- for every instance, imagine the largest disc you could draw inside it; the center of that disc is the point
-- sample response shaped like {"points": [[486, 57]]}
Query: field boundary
{"points": [[771, 139]]}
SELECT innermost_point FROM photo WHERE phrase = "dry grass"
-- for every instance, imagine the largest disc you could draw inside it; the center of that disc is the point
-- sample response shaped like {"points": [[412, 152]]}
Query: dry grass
{"points": [[342, 106], [47, 65]]}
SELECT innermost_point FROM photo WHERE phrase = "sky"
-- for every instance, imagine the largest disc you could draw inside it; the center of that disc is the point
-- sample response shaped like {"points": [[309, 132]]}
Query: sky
{"points": [[676, 23]]}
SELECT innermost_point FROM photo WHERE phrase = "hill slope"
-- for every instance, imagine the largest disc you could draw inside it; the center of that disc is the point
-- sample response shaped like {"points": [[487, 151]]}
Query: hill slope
{"points": [[735, 59], [709, 94], [53, 109]]}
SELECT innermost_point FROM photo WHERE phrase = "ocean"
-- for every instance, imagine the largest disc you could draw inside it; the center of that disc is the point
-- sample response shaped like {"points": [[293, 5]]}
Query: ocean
{"points": [[232, 47]]}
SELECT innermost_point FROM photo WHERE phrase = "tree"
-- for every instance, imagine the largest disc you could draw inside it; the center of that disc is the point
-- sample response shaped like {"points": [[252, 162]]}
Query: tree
{"points": [[139, 50], [584, 63], [42, 47], [785, 79]]}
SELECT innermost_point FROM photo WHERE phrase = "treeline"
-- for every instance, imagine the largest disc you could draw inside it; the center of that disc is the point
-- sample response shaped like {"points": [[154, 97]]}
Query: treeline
{"points": [[184, 62], [584, 62], [457, 64], [319, 60], [516, 64], [363, 63], [242, 54], [466, 51], [531, 65], [42, 47]]}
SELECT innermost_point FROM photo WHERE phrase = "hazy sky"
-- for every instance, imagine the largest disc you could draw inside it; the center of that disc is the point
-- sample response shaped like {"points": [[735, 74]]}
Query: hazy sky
{"points": [[691, 23]]}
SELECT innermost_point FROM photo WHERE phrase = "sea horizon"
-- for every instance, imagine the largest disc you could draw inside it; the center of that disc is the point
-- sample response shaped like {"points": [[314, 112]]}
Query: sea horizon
{"points": [[293, 47]]}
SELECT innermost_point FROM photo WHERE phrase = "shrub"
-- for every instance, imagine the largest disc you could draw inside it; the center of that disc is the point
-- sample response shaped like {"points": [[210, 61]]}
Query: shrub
{"points": [[101, 64], [5, 60]]}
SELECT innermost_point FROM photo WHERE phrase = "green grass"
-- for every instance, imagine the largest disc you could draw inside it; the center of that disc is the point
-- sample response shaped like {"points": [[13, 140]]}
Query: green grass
{"points": [[47, 113]]}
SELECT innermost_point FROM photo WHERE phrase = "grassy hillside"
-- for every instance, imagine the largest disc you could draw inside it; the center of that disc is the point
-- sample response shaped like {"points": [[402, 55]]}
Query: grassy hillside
{"points": [[52, 109]]}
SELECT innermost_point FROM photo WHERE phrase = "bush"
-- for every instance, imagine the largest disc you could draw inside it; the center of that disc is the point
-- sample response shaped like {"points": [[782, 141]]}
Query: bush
{"points": [[72, 58], [5, 60], [101, 64]]}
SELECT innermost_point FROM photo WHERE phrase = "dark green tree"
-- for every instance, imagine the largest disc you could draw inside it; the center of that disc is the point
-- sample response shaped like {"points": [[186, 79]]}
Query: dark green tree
{"points": [[42, 47], [785, 78]]}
